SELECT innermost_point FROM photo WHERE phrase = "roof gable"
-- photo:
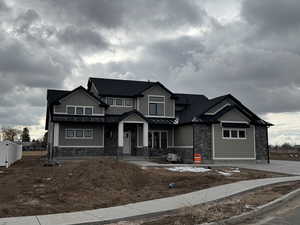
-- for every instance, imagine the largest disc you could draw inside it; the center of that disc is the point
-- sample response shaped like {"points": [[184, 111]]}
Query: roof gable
{"points": [[122, 88], [55, 96]]}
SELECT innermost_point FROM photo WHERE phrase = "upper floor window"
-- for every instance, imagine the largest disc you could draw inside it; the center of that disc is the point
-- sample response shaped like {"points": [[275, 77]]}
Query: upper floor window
{"points": [[119, 102], [80, 110], [156, 105], [234, 133]]}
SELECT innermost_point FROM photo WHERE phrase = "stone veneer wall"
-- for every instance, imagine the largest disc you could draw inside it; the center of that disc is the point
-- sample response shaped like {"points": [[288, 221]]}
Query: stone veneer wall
{"points": [[261, 143], [74, 152], [203, 140]]}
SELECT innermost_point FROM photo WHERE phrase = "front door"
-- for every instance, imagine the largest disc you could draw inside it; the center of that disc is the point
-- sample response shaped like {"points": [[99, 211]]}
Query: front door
{"points": [[127, 143]]}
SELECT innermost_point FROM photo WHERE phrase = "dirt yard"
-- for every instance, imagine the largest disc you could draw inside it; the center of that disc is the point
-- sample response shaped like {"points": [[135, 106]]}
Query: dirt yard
{"points": [[29, 188], [216, 211], [294, 156]]}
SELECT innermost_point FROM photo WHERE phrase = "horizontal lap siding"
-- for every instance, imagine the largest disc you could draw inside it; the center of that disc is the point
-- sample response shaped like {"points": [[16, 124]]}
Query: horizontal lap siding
{"points": [[79, 98], [157, 90], [233, 148], [97, 139], [183, 136]]}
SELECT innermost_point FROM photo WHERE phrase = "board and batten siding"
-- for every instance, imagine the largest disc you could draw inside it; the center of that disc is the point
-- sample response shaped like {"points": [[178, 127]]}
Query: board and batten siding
{"points": [[96, 141], [78, 98], [157, 90], [183, 136], [233, 148]]}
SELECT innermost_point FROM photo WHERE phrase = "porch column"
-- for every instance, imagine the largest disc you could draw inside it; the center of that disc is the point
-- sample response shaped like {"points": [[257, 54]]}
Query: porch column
{"points": [[56, 135], [145, 135], [121, 134]]}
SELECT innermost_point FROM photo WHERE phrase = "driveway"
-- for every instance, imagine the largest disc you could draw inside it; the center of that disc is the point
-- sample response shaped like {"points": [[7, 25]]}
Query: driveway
{"points": [[279, 166]]}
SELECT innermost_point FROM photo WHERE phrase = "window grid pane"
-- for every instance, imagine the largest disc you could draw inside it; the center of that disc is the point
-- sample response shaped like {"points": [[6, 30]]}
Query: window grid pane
{"points": [[242, 134], [119, 101], [128, 102], [226, 133], [234, 134], [71, 110], [79, 133], [88, 111], [79, 110], [88, 133]]}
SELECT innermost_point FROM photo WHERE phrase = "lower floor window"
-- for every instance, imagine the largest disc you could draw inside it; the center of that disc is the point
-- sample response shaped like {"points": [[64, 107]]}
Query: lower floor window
{"points": [[234, 133], [158, 139], [78, 133]]}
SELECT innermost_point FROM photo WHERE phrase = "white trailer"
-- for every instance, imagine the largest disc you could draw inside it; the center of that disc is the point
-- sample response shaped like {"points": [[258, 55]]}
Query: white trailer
{"points": [[10, 152]]}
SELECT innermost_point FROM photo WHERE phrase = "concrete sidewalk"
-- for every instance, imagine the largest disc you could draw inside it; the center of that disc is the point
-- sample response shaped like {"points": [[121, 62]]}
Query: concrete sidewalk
{"points": [[143, 208], [278, 166]]}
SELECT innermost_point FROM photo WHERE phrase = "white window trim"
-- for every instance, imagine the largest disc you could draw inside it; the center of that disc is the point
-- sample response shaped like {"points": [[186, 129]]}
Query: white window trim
{"points": [[238, 135], [83, 132], [84, 106], [159, 131], [123, 102], [80, 106], [164, 102]]}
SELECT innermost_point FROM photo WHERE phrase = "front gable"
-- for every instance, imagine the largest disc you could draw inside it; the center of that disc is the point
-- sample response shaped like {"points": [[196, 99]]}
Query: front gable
{"points": [[79, 97], [234, 115], [133, 117], [156, 91]]}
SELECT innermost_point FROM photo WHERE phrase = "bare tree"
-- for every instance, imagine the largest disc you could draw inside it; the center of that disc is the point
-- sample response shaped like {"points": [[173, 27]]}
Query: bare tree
{"points": [[10, 133]]}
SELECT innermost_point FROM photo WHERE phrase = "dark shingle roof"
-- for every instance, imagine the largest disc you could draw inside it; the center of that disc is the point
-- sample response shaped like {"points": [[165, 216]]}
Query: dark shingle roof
{"points": [[194, 104], [54, 95], [122, 88]]}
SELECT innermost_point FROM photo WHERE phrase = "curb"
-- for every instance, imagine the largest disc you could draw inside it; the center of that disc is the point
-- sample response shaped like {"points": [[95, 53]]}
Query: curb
{"points": [[258, 211]]}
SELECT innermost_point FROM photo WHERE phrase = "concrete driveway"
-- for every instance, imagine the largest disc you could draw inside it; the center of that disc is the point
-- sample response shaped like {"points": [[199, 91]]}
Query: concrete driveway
{"points": [[279, 166]]}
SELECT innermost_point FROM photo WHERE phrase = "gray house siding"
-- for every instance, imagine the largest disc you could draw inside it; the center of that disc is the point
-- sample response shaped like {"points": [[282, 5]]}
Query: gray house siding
{"points": [[183, 136], [95, 141], [118, 110], [78, 98], [134, 118], [157, 90], [234, 115], [233, 148]]}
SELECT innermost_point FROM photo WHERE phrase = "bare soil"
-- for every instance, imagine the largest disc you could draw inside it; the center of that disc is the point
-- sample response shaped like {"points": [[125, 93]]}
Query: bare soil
{"points": [[294, 156], [216, 211], [29, 188]]}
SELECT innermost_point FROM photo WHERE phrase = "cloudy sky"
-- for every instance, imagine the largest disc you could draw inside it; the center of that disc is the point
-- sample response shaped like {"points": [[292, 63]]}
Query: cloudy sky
{"points": [[249, 48]]}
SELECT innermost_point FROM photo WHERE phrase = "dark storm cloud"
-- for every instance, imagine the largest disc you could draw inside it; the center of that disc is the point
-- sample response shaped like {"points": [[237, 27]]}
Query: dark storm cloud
{"points": [[124, 14], [273, 15], [44, 44], [82, 38]]}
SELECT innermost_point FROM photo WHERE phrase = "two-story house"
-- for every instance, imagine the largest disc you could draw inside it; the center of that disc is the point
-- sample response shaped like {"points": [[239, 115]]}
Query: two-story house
{"points": [[143, 118]]}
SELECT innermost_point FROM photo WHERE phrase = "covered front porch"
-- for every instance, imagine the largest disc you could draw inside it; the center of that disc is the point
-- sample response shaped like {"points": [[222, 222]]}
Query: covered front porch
{"points": [[133, 137]]}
